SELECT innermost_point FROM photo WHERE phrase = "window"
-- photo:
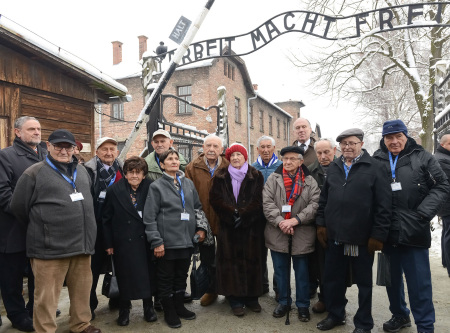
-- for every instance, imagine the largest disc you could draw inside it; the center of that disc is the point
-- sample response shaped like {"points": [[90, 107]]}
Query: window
{"points": [[237, 110], [184, 92], [278, 128], [284, 130], [185, 151], [228, 70], [270, 125], [225, 68], [117, 111], [261, 120], [120, 145], [251, 116], [232, 73]]}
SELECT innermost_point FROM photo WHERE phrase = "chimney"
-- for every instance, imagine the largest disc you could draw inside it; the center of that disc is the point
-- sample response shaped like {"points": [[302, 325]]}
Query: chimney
{"points": [[255, 87], [142, 45], [117, 52]]}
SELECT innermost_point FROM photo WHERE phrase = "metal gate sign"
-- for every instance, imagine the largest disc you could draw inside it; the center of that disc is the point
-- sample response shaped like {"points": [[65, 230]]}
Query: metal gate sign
{"points": [[179, 32]]}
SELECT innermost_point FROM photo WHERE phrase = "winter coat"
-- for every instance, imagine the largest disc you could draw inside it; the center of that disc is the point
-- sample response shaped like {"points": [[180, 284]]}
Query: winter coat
{"points": [[424, 189], [124, 231], [162, 213], [305, 207], [239, 256], [57, 226], [442, 155], [198, 172], [266, 171], [358, 208], [317, 173], [310, 155], [14, 160], [154, 171]]}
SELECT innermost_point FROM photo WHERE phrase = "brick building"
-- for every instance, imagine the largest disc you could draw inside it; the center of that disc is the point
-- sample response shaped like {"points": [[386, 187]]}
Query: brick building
{"points": [[249, 115]]}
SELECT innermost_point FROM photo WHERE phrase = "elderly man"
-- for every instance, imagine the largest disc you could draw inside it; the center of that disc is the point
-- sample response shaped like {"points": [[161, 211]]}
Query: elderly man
{"points": [[161, 142], [353, 221], [52, 200], [202, 171], [325, 151], [419, 187], [442, 155], [302, 132], [104, 170], [24, 152]]}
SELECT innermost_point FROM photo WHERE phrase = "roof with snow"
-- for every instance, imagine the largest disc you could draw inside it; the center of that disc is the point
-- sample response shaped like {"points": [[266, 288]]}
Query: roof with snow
{"points": [[21, 39], [276, 107]]}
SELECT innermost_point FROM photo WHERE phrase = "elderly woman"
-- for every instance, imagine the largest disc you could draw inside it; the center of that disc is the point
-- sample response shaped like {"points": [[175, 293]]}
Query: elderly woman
{"points": [[124, 234], [236, 197], [173, 216], [291, 197]]}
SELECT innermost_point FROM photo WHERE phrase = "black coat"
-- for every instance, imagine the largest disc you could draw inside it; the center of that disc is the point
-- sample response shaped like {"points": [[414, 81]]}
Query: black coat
{"points": [[14, 160], [355, 209], [442, 155], [424, 189], [124, 230], [239, 250]]}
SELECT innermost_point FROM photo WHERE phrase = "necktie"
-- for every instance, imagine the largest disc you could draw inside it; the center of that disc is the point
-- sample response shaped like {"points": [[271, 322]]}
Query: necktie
{"points": [[303, 146]]}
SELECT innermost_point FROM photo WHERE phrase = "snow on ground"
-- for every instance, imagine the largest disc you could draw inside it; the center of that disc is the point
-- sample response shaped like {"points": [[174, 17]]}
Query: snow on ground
{"points": [[435, 249]]}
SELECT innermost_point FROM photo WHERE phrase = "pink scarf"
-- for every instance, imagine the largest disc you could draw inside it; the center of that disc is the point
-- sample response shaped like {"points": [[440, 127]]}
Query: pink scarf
{"points": [[237, 176]]}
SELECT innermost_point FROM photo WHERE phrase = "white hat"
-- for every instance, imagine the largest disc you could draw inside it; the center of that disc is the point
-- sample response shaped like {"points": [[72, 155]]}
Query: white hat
{"points": [[103, 140], [161, 132]]}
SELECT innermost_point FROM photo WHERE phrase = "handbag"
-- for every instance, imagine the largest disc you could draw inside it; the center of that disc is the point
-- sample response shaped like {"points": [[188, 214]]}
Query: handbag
{"points": [[383, 270], [199, 277], [110, 288]]}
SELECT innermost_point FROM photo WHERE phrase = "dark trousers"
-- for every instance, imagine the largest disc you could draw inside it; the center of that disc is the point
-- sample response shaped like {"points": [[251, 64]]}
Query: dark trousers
{"points": [[445, 242], [12, 268], [172, 276], [98, 263], [208, 258], [239, 302], [415, 263], [335, 284]]}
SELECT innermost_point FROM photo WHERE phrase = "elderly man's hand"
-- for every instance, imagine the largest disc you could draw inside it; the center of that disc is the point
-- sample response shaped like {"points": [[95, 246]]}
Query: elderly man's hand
{"points": [[287, 226], [374, 245], [159, 251], [322, 236], [201, 235]]}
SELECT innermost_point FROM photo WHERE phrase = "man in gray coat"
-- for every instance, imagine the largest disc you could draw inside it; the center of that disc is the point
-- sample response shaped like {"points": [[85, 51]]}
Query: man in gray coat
{"points": [[53, 201]]}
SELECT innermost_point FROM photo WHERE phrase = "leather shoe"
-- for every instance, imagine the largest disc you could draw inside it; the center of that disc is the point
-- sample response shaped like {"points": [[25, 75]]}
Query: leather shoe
{"points": [[255, 306], [90, 329], [319, 307], [208, 299], [360, 330], [303, 314], [124, 317], [239, 311], [281, 310], [328, 323], [149, 313], [24, 325]]}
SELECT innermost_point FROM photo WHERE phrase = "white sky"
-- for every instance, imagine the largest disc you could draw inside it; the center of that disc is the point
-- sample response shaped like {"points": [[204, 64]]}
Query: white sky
{"points": [[87, 28]]}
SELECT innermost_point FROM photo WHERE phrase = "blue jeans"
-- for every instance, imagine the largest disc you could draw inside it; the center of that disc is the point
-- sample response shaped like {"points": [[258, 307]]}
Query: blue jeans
{"points": [[415, 263], [281, 266]]}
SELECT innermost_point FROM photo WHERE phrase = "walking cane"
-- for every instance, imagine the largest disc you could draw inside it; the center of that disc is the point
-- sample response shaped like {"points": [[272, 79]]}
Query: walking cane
{"points": [[289, 280]]}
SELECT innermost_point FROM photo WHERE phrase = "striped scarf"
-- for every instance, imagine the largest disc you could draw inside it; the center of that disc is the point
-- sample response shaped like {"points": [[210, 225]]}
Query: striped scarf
{"points": [[298, 187], [273, 160]]}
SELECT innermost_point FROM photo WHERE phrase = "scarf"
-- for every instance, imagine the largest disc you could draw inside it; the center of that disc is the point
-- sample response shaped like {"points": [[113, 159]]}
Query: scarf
{"points": [[105, 176], [273, 160], [237, 176], [297, 190]]}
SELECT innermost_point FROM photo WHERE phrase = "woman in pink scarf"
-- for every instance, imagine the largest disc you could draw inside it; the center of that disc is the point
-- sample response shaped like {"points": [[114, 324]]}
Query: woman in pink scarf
{"points": [[236, 196]]}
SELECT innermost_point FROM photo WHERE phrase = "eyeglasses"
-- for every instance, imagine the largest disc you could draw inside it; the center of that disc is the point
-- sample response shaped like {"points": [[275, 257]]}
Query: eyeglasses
{"points": [[350, 144], [59, 148], [290, 159]]}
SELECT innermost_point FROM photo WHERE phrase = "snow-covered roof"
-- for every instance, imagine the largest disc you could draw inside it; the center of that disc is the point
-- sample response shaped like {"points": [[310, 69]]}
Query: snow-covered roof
{"points": [[70, 60], [198, 64], [124, 70], [275, 106]]}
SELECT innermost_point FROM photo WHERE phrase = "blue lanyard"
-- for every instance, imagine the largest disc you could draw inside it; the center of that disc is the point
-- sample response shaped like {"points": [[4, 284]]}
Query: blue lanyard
{"points": [[181, 192], [64, 176], [293, 188], [113, 179], [347, 169], [393, 164]]}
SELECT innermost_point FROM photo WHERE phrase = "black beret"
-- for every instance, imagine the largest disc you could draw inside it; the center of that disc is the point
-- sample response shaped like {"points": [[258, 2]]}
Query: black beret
{"points": [[351, 132], [292, 149]]}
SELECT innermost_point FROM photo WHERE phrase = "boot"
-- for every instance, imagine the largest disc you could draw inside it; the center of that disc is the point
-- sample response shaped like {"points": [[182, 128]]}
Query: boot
{"points": [[182, 312], [149, 311], [124, 317], [170, 315]]}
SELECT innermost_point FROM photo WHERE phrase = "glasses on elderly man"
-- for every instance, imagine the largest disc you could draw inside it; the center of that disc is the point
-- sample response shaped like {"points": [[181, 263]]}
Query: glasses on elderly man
{"points": [[290, 159], [350, 144], [59, 148]]}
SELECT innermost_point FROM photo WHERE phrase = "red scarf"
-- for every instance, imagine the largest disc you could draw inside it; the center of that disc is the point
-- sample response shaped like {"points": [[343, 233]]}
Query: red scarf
{"points": [[298, 187]]}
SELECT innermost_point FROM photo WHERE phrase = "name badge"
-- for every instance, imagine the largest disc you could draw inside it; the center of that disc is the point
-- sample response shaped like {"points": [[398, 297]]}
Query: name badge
{"points": [[286, 209], [77, 196], [140, 213], [396, 187], [102, 195], [184, 216]]}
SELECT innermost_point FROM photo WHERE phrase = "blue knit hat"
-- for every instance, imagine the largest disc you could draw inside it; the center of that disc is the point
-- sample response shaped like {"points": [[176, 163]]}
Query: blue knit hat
{"points": [[394, 126]]}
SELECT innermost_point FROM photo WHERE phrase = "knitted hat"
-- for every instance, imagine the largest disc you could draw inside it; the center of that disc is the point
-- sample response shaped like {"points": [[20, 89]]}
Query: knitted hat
{"points": [[79, 145], [394, 126], [236, 147]]}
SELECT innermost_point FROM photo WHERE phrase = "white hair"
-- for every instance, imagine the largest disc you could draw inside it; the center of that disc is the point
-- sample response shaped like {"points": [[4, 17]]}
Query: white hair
{"points": [[330, 141], [22, 120], [212, 136], [264, 138]]}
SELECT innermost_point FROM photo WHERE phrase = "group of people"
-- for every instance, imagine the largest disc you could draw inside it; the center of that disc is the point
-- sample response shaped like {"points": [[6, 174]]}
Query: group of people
{"points": [[66, 220]]}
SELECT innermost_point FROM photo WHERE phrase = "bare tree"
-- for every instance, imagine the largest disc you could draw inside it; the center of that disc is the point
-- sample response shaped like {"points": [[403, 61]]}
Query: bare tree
{"points": [[407, 55]]}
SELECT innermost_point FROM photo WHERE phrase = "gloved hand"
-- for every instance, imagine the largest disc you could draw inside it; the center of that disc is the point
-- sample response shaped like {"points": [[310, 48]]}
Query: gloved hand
{"points": [[374, 245], [322, 236]]}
